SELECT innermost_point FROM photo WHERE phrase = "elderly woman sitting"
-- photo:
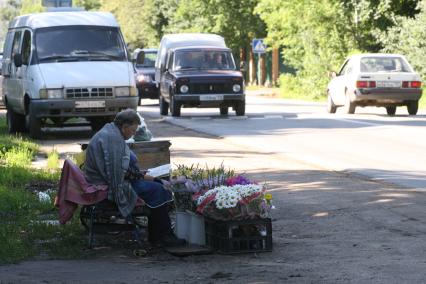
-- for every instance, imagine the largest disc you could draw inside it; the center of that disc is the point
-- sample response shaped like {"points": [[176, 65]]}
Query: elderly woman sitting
{"points": [[109, 161]]}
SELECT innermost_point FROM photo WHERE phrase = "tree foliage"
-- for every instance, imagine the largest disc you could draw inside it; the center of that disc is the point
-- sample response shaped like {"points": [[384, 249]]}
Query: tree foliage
{"points": [[31, 6], [88, 4], [408, 37], [313, 43], [142, 22], [234, 20]]}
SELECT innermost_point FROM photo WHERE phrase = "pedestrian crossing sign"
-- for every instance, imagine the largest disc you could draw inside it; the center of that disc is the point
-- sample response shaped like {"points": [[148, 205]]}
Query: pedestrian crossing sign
{"points": [[258, 46]]}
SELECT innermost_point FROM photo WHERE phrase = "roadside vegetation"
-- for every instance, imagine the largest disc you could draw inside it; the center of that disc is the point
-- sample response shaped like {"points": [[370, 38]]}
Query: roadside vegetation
{"points": [[26, 205]]}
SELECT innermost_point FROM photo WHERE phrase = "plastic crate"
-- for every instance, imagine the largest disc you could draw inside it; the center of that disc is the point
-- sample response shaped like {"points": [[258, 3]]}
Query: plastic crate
{"points": [[229, 237]]}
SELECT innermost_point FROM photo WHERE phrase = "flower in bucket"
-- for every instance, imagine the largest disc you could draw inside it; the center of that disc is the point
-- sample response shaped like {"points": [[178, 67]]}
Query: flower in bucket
{"points": [[268, 198], [239, 179]]}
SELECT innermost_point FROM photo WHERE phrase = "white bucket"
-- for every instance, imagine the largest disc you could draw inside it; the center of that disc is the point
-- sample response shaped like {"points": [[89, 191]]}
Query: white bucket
{"points": [[190, 226], [183, 224]]}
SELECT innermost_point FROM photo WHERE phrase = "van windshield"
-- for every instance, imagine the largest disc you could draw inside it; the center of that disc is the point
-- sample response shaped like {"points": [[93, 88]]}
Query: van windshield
{"points": [[79, 43], [204, 59]]}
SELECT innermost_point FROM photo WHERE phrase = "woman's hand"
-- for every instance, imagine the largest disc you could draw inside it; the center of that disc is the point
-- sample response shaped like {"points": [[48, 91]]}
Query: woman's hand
{"points": [[166, 184], [149, 178]]}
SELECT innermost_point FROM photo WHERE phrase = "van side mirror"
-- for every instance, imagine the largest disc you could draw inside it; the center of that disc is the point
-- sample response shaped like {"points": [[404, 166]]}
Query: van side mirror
{"points": [[17, 60], [332, 74], [140, 59]]}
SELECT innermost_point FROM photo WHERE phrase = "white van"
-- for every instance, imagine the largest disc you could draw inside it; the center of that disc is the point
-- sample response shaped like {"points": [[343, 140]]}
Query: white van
{"points": [[60, 65]]}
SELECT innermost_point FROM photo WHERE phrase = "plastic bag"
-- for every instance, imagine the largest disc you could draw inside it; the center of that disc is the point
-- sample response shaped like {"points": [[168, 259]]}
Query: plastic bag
{"points": [[142, 132]]}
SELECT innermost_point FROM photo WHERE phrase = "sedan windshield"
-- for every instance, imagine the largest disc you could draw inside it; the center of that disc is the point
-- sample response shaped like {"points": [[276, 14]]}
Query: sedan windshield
{"points": [[79, 43], [204, 59], [384, 64]]}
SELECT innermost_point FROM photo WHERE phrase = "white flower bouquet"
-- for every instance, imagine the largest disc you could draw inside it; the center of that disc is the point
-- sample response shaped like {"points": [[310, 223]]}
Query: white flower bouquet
{"points": [[235, 202]]}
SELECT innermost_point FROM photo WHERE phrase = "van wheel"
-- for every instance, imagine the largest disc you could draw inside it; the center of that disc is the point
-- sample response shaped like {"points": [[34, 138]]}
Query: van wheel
{"points": [[391, 110], [413, 107], [33, 124], [15, 122], [174, 107], [240, 108], [224, 110], [164, 106]]}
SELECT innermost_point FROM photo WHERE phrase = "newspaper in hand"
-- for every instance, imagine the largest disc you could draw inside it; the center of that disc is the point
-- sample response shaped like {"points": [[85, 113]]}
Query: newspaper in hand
{"points": [[160, 171]]}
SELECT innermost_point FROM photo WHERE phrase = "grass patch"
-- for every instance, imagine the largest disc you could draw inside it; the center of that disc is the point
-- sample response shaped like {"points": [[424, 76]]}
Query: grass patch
{"points": [[53, 160], [23, 230]]}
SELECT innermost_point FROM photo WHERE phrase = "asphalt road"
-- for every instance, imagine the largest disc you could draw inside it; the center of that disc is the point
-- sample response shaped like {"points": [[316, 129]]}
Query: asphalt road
{"points": [[368, 143]]}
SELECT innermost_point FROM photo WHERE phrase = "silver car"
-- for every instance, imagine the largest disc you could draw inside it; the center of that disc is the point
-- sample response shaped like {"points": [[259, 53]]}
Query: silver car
{"points": [[382, 80]]}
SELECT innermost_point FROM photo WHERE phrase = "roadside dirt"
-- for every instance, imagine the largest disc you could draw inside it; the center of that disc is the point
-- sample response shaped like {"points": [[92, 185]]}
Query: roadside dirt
{"points": [[328, 227]]}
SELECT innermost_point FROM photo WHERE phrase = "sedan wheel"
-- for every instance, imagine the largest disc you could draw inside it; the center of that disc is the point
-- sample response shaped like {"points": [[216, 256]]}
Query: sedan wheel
{"points": [[391, 110], [349, 106], [331, 107], [413, 107]]}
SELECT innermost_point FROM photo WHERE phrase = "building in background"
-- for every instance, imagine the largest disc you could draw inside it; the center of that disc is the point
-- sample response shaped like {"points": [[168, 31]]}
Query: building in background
{"points": [[56, 3]]}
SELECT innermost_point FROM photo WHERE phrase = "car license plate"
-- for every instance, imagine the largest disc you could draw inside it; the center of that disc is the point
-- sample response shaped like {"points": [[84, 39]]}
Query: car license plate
{"points": [[211, 98], [389, 84], [87, 104]]}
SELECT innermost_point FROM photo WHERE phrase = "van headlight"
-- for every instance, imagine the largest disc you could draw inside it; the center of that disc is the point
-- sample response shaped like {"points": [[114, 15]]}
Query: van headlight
{"points": [[236, 88], [51, 94], [184, 89], [124, 91]]}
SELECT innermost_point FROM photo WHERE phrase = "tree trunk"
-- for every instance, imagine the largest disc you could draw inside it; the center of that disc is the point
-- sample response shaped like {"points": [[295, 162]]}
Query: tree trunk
{"points": [[263, 69], [252, 68], [275, 66]]}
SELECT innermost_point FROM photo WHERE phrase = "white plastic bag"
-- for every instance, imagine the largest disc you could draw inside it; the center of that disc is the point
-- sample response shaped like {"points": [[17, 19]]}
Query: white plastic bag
{"points": [[142, 132]]}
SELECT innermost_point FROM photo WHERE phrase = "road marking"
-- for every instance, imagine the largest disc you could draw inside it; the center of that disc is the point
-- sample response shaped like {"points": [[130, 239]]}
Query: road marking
{"points": [[200, 118], [332, 117], [273, 117], [360, 122], [170, 118]]}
